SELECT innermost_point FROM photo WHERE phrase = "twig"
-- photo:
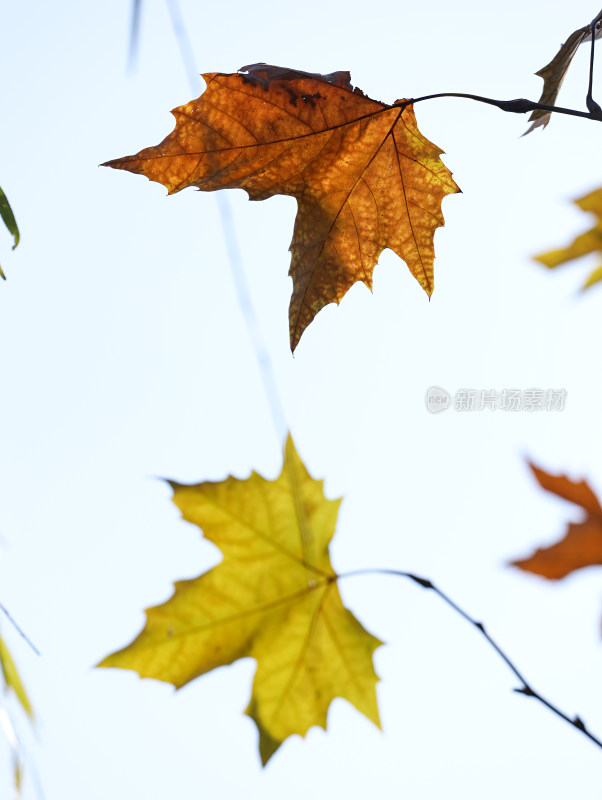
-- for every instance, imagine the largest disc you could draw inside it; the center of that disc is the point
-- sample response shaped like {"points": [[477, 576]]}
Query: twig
{"points": [[518, 106], [134, 33], [19, 630], [184, 45], [589, 100], [262, 356], [18, 748], [243, 294], [526, 687]]}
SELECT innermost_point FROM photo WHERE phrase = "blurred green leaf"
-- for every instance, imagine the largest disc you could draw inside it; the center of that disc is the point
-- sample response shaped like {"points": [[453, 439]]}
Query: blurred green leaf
{"points": [[9, 220]]}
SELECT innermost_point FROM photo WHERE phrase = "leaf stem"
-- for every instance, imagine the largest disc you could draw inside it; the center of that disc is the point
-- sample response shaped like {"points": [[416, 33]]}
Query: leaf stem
{"points": [[526, 687], [518, 106], [589, 100]]}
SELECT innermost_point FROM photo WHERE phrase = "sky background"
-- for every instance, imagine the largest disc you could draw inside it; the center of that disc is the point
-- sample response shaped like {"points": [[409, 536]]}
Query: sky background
{"points": [[124, 356]]}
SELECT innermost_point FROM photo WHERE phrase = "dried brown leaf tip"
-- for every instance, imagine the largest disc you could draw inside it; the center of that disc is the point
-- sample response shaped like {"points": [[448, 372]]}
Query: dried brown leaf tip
{"points": [[554, 72]]}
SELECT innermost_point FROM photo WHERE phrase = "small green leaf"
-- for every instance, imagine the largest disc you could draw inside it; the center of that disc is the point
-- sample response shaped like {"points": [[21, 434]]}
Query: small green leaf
{"points": [[9, 220]]}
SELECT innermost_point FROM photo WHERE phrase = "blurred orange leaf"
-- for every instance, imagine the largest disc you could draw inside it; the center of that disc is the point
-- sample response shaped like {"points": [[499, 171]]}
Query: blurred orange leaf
{"points": [[582, 543], [589, 242], [274, 598], [364, 177]]}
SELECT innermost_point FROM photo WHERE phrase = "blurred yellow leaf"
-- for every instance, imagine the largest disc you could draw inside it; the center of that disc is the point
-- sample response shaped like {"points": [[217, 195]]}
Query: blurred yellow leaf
{"points": [[18, 776], [11, 677], [274, 597], [584, 244]]}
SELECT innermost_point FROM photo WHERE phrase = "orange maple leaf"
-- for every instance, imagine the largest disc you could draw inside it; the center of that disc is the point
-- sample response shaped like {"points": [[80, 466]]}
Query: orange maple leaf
{"points": [[364, 176], [582, 543]]}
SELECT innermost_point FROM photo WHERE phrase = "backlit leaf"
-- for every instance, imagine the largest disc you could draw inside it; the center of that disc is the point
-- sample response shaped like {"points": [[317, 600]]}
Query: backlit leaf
{"points": [[274, 597], [364, 177]]}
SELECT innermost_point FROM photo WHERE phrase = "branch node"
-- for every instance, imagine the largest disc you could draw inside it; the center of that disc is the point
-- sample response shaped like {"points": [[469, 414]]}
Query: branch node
{"points": [[424, 582], [518, 106], [526, 690]]}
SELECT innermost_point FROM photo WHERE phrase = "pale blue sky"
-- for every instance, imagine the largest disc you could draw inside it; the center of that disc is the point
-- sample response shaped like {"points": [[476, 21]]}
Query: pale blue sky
{"points": [[124, 356]]}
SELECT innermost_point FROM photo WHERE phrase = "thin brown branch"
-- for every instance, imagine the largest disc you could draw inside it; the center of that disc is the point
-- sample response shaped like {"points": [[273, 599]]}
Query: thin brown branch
{"points": [[518, 106], [526, 688]]}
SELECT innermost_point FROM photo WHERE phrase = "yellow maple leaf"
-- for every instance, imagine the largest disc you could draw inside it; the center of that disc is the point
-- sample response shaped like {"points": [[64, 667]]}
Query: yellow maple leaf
{"points": [[589, 242], [274, 597], [364, 177]]}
